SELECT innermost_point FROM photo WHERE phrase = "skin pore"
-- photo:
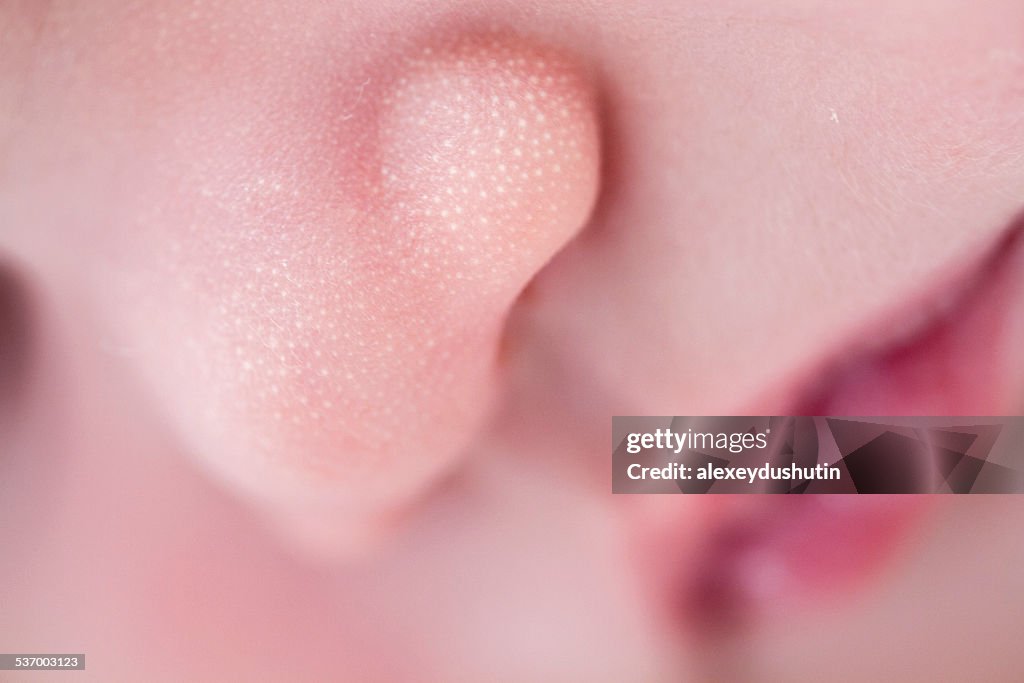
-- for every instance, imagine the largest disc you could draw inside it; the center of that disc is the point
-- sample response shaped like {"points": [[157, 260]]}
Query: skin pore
{"points": [[281, 402]]}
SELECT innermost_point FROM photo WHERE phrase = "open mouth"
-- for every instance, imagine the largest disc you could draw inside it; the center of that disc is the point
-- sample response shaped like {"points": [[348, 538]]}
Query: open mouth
{"points": [[956, 350]]}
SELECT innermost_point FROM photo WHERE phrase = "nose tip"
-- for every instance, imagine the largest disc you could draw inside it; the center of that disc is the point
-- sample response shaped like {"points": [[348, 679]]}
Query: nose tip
{"points": [[488, 154]]}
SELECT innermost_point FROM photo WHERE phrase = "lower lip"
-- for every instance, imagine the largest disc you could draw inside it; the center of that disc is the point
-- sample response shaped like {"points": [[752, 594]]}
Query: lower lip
{"points": [[784, 553]]}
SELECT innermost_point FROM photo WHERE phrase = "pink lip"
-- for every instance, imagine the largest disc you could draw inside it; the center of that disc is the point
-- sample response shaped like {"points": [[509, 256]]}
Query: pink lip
{"points": [[961, 358], [784, 553], [770, 555]]}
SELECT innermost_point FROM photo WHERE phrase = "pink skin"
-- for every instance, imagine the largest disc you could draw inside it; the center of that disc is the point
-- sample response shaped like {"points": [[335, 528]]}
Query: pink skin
{"points": [[250, 340]]}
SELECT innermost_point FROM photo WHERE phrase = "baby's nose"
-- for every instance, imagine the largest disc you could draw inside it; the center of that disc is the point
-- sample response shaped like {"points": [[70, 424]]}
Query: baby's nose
{"points": [[341, 354]]}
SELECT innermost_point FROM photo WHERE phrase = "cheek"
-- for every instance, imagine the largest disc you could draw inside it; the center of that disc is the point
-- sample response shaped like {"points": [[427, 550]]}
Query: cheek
{"points": [[318, 287]]}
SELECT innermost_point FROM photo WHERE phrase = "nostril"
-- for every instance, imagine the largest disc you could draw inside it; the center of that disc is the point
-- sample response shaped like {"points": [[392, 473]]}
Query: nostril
{"points": [[15, 342]]}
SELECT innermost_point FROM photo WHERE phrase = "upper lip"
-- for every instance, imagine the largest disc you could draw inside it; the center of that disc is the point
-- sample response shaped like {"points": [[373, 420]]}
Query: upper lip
{"points": [[898, 327]]}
